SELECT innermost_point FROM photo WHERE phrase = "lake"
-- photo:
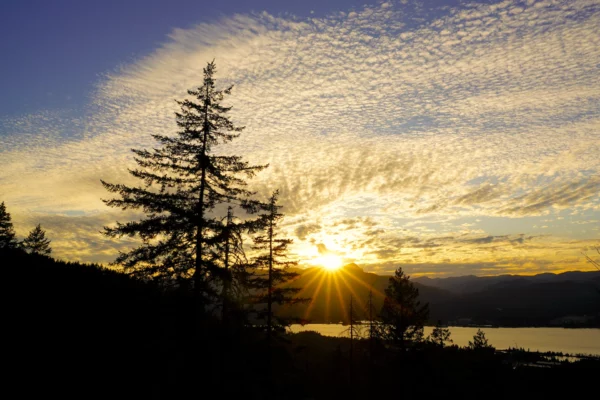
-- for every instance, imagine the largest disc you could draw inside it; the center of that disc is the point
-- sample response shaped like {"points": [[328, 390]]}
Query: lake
{"points": [[572, 341]]}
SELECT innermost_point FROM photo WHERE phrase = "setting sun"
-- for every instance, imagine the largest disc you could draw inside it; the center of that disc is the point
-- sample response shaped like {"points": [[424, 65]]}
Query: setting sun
{"points": [[330, 262]]}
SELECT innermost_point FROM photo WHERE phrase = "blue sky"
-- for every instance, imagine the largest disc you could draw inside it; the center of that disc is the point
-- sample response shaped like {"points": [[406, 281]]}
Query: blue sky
{"points": [[55, 51], [449, 138]]}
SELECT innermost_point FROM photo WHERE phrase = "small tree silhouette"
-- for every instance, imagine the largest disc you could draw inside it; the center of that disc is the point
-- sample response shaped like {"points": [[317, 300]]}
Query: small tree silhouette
{"points": [[36, 242], [440, 335], [271, 268], [7, 232], [480, 342], [402, 315]]}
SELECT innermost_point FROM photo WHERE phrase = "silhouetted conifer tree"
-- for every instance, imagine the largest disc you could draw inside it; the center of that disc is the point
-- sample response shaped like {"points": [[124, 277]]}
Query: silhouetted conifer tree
{"points": [[8, 239], [183, 181], [229, 251], [231, 237], [36, 242], [354, 332], [402, 315], [480, 342], [271, 269], [440, 335], [371, 325]]}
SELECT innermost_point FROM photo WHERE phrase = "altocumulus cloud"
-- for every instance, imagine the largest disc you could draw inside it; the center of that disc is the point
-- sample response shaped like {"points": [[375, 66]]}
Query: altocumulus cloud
{"points": [[393, 112]]}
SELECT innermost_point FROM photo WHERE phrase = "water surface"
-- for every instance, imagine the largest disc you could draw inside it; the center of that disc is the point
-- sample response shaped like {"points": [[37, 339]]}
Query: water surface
{"points": [[572, 341]]}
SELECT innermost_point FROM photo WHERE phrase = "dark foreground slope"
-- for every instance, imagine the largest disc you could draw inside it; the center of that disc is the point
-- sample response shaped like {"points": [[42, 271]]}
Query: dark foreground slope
{"points": [[75, 331], [376, 372], [80, 331], [73, 328]]}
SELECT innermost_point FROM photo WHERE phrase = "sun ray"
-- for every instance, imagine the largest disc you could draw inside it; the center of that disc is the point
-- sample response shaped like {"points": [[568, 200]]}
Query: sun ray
{"points": [[317, 273], [327, 297], [351, 290], [313, 300], [339, 294], [368, 286]]}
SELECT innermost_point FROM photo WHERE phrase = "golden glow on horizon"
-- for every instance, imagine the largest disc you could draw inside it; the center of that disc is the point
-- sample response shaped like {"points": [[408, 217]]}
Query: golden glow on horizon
{"points": [[327, 288], [330, 262]]}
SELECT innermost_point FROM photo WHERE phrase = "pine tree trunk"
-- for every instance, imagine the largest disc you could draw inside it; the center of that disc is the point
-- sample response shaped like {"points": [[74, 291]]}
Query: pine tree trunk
{"points": [[200, 212], [269, 294], [227, 281], [371, 333]]}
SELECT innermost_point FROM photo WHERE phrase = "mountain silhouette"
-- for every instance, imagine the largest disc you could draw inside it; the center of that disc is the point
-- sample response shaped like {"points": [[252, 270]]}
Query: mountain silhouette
{"points": [[509, 300], [330, 294], [471, 283]]}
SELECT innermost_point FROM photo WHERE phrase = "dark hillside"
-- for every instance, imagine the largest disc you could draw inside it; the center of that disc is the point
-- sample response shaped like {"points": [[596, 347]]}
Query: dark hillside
{"points": [[72, 326]]}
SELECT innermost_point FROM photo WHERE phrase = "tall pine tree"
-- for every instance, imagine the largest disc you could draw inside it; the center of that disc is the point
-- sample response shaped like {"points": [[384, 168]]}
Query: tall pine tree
{"points": [[36, 242], [184, 179], [8, 239], [271, 269], [229, 252]]}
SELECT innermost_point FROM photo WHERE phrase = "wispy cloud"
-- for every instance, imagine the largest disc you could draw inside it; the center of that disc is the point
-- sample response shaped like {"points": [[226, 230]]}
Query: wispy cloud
{"points": [[392, 113]]}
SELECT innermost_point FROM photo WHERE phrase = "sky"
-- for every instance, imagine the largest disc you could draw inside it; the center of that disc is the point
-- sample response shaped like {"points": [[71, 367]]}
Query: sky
{"points": [[448, 138]]}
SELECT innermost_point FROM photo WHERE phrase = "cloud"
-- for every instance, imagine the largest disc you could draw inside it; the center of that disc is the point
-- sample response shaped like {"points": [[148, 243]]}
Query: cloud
{"points": [[384, 117], [302, 231], [559, 196], [512, 239], [322, 249]]}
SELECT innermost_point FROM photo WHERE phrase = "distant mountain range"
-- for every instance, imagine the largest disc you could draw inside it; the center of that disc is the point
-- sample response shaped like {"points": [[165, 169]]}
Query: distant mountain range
{"points": [[567, 299], [472, 284]]}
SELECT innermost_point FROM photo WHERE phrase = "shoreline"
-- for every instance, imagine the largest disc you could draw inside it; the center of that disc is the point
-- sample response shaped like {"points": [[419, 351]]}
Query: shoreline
{"points": [[584, 341]]}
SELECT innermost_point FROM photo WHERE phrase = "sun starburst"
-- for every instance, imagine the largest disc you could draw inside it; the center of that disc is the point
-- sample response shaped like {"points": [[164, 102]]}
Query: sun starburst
{"points": [[330, 262]]}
